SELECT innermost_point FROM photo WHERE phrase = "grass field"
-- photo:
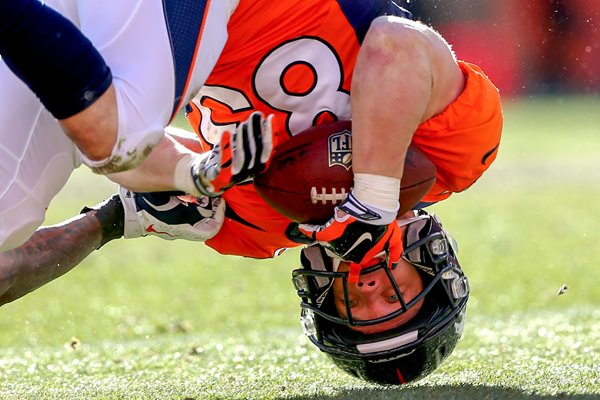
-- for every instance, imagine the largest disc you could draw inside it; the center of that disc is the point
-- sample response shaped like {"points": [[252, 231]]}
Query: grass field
{"points": [[148, 319]]}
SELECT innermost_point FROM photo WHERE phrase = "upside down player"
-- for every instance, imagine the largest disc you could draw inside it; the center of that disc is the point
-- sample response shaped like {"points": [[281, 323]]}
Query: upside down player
{"points": [[405, 85], [403, 75], [393, 326]]}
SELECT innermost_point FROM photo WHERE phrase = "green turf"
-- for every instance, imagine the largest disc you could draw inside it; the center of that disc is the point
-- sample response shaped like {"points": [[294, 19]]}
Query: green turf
{"points": [[148, 319]]}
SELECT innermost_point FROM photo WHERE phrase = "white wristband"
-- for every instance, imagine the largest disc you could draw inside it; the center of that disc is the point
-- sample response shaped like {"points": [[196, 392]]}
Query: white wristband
{"points": [[183, 176], [382, 192]]}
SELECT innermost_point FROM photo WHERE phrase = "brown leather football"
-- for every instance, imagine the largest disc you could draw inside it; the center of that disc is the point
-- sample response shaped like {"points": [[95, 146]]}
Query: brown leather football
{"points": [[311, 173]]}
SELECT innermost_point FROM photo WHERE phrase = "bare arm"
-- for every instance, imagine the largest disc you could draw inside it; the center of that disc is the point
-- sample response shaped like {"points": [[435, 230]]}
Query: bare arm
{"points": [[50, 253], [155, 174], [53, 251], [405, 74]]}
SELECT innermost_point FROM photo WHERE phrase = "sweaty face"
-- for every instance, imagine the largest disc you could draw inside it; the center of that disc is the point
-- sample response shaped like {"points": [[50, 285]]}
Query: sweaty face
{"points": [[374, 296]]}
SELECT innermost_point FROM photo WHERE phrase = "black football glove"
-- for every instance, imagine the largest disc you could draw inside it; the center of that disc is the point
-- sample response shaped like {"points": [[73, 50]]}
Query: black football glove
{"points": [[111, 216]]}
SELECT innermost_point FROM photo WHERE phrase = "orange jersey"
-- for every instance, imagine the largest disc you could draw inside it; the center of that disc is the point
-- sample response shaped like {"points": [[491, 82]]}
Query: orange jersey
{"points": [[463, 140], [279, 62]]}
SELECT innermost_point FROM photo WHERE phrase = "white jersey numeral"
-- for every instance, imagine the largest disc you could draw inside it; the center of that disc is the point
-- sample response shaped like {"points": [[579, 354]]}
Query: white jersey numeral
{"points": [[323, 95]]}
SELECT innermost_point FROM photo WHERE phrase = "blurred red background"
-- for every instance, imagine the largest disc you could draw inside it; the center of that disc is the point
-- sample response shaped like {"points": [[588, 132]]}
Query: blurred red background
{"points": [[525, 46]]}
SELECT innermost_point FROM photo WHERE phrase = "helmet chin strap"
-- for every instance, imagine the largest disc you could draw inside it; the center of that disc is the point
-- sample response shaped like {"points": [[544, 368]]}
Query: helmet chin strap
{"points": [[335, 263], [315, 258], [354, 273], [355, 269]]}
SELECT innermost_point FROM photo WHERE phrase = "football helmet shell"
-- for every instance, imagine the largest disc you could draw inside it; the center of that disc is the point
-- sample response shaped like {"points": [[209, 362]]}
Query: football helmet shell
{"points": [[405, 353]]}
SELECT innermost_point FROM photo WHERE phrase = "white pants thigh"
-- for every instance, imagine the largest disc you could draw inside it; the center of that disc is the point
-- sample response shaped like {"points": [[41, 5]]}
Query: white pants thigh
{"points": [[36, 159]]}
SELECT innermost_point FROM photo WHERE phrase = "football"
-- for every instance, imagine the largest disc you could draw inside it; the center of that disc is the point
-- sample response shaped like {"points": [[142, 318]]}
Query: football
{"points": [[311, 173]]}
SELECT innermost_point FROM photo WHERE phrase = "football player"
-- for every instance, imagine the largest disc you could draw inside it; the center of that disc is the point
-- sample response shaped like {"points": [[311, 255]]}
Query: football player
{"points": [[398, 81], [391, 324], [403, 83]]}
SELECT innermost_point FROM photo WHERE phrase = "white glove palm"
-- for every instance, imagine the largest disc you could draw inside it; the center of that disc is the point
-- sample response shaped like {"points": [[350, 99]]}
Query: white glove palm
{"points": [[169, 216]]}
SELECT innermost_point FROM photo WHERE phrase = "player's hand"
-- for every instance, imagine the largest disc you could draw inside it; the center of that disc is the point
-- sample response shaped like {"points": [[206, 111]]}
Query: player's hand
{"points": [[171, 215], [356, 233], [236, 157]]}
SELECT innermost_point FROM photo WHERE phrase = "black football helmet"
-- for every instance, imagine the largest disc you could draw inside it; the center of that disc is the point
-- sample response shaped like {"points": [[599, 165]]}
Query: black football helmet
{"points": [[405, 353]]}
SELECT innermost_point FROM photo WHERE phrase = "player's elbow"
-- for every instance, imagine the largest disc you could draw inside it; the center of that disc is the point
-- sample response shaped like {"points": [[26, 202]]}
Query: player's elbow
{"points": [[7, 279], [393, 39], [108, 141], [94, 129]]}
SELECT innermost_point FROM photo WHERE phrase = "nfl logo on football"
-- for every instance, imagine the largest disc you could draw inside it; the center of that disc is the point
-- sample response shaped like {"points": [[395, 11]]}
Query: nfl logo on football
{"points": [[340, 149]]}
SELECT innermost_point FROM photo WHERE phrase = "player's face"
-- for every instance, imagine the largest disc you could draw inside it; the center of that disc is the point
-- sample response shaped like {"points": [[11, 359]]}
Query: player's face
{"points": [[374, 296]]}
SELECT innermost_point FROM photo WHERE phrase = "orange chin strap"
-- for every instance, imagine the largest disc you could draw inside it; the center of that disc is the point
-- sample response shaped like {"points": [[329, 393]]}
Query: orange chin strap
{"points": [[354, 272]]}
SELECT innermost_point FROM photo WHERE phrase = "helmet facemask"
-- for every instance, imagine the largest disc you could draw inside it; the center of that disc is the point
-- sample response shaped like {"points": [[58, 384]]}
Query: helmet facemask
{"points": [[442, 300]]}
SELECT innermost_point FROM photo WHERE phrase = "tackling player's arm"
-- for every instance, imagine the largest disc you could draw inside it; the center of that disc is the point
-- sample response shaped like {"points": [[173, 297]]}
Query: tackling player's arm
{"points": [[50, 253], [55, 250]]}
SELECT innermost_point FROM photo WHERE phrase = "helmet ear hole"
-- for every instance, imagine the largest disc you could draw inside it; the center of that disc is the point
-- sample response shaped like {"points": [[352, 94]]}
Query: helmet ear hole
{"points": [[441, 353]]}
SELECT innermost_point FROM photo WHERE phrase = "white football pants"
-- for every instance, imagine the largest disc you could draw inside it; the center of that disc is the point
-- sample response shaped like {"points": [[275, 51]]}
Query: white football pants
{"points": [[36, 157]]}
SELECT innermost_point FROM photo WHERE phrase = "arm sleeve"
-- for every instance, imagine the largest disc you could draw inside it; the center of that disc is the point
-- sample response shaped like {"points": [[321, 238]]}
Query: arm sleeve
{"points": [[31, 36]]}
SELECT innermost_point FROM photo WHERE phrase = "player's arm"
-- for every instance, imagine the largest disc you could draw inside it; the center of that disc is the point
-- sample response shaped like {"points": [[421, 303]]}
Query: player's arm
{"points": [[55, 250], [50, 253], [238, 156], [405, 74], [155, 173]]}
